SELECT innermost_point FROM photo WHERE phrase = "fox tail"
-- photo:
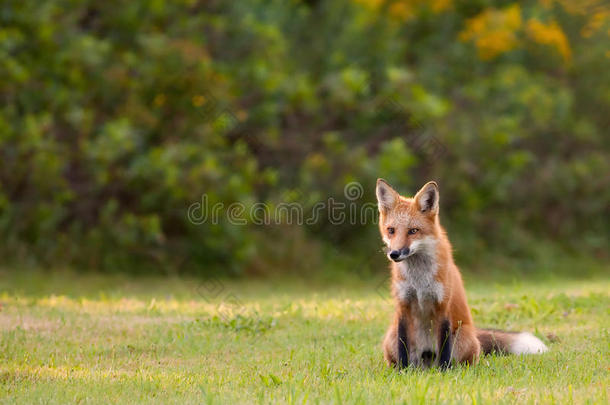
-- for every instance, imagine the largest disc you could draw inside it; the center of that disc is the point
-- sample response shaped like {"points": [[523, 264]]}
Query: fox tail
{"points": [[509, 342]]}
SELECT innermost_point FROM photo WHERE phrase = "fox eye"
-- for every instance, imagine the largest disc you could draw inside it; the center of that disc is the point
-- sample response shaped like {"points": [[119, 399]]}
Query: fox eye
{"points": [[391, 230], [413, 231]]}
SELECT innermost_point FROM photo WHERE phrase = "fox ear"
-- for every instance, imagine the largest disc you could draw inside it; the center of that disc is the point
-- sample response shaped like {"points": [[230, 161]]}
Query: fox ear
{"points": [[387, 197], [427, 198]]}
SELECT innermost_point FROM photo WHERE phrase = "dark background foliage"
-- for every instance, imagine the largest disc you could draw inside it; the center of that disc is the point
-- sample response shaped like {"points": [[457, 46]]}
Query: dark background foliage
{"points": [[117, 116]]}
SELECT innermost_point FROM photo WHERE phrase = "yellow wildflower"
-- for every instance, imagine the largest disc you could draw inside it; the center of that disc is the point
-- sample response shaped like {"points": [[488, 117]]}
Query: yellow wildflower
{"points": [[493, 31], [405, 9], [551, 35]]}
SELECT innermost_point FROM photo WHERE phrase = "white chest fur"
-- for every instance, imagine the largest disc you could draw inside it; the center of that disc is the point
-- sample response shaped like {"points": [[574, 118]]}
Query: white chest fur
{"points": [[419, 285], [421, 291]]}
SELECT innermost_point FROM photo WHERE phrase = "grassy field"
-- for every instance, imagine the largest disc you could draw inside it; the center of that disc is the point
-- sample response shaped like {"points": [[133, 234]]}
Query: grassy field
{"points": [[90, 339]]}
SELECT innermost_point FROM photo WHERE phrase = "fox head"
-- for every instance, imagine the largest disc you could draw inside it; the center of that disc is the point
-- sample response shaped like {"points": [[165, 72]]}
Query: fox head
{"points": [[408, 226]]}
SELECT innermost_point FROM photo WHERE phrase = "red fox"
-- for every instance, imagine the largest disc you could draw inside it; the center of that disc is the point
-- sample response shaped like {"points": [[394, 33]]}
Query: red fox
{"points": [[432, 324]]}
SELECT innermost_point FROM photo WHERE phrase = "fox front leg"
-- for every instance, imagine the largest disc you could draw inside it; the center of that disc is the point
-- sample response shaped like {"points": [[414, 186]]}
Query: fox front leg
{"points": [[403, 344], [445, 345]]}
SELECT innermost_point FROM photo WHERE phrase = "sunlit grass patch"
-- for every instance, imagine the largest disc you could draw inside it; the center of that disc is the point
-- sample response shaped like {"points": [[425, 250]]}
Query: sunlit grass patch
{"points": [[283, 342]]}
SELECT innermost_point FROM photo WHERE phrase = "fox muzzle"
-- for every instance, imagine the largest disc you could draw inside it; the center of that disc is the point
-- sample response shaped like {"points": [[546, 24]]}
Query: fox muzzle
{"points": [[399, 255]]}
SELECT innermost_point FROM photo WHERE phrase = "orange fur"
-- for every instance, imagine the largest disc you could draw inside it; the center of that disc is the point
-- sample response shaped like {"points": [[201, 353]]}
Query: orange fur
{"points": [[432, 324], [404, 214]]}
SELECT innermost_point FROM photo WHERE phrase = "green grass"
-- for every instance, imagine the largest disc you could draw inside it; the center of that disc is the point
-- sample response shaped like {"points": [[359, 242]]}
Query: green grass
{"points": [[89, 339]]}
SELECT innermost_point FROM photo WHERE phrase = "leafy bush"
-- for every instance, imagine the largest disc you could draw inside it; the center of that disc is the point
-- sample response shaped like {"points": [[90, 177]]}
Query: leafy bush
{"points": [[116, 117]]}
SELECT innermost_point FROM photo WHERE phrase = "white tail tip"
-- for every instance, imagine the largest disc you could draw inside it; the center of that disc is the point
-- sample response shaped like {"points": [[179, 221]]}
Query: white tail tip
{"points": [[526, 343]]}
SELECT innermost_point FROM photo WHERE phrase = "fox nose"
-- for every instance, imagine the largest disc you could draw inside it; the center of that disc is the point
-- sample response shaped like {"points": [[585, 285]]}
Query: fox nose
{"points": [[396, 254]]}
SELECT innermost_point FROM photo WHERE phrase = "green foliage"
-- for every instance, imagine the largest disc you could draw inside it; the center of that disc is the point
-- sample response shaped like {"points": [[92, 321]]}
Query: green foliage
{"points": [[117, 117]]}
